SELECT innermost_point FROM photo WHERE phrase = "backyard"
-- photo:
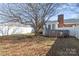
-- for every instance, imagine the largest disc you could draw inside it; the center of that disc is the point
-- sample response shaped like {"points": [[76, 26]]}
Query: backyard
{"points": [[36, 46], [25, 45]]}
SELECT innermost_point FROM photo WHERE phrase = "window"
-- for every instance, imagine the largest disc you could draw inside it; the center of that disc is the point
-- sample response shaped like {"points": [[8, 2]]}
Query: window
{"points": [[53, 26], [49, 26]]}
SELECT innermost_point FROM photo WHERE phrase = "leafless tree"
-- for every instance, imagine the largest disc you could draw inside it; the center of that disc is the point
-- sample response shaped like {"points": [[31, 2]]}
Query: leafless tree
{"points": [[38, 14]]}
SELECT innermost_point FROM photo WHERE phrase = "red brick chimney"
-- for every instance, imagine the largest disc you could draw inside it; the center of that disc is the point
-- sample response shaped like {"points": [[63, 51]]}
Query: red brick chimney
{"points": [[61, 20]]}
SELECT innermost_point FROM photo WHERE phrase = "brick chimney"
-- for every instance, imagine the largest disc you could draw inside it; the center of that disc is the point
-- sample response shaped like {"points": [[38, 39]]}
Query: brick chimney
{"points": [[61, 20]]}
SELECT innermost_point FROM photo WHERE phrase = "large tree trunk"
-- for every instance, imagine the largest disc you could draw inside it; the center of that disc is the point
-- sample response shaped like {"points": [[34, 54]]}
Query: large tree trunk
{"points": [[39, 29], [37, 33]]}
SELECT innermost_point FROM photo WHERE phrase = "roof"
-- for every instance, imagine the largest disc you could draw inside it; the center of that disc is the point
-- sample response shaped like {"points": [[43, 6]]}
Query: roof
{"points": [[13, 24], [72, 21], [67, 21]]}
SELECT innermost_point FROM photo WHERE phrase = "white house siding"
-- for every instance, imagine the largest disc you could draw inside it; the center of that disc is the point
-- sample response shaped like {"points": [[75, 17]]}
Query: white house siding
{"points": [[74, 31], [8, 30], [51, 25]]}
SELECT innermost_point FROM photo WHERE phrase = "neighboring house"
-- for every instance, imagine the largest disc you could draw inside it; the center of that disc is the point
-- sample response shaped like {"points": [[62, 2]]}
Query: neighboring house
{"points": [[14, 28], [60, 24]]}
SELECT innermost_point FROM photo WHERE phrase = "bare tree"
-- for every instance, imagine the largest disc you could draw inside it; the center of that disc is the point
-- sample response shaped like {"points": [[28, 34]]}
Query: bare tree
{"points": [[38, 14]]}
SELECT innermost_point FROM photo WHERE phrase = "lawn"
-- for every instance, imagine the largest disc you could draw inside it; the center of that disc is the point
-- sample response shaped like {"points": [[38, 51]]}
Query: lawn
{"points": [[22, 45], [25, 45]]}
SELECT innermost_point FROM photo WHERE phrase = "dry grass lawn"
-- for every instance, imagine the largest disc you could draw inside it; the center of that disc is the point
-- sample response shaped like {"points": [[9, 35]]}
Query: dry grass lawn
{"points": [[25, 45]]}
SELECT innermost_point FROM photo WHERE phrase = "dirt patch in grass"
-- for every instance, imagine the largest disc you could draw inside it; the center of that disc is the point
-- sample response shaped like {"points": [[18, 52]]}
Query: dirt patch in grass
{"points": [[25, 45]]}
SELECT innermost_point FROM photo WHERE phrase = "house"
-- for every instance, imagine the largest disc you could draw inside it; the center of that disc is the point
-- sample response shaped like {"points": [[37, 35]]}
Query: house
{"points": [[8, 28], [60, 24]]}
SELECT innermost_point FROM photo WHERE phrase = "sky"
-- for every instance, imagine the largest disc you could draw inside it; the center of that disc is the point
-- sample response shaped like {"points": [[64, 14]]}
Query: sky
{"points": [[65, 9], [69, 12]]}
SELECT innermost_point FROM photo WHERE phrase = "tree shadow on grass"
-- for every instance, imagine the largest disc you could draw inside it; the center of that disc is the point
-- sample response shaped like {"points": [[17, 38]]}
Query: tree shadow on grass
{"points": [[67, 46]]}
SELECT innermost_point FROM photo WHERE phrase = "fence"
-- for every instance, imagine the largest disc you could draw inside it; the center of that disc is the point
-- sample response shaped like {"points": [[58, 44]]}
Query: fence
{"points": [[74, 31]]}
